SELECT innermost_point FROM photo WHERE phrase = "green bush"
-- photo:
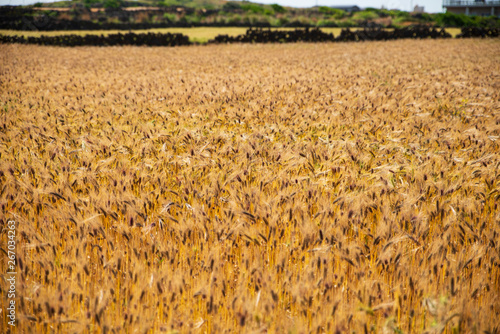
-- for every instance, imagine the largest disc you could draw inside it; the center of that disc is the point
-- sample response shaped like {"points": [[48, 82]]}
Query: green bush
{"points": [[327, 23], [423, 17], [283, 21], [112, 4], [373, 10], [268, 12], [250, 7], [50, 13], [89, 3], [252, 19], [460, 20], [347, 24], [390, 13], [277, 8], [209, 6], [325, 10], [490, 21], [456, 20], [365, 16], [339, 14], [168, 3], [302, 20], [170, 17], [332, 12], [231, 6], [235, 20], [192, 19], [401, 13], [397, 22]]}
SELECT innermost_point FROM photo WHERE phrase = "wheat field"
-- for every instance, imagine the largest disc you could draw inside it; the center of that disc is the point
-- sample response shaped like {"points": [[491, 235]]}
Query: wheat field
{"points": [[301, 188]]}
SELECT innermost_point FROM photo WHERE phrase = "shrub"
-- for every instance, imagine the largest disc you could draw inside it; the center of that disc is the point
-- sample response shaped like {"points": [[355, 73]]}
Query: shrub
{"points": [[346, 23], [250, 7], [373, 10], [388, 13], [170, 17], [282, 21], [89, 3], [112, 3], [327, 23], [334, 12], [234, 20], [268, 12], [192, 19], [231, 6], [365, 16], [423, 17], [455, 20], [401, 13], [277, 8]]}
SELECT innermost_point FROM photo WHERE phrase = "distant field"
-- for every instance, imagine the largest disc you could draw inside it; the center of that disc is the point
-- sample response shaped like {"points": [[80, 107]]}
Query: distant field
{"points": [[198, 34], [298, 188]]}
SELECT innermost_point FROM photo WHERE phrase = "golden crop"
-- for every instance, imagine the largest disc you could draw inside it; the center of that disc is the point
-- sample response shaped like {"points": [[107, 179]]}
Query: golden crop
{"points": [[298, 188]]}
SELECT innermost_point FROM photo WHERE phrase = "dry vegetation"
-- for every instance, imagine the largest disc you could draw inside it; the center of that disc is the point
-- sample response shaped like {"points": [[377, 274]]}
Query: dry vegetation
{"points": [[252, 188]]}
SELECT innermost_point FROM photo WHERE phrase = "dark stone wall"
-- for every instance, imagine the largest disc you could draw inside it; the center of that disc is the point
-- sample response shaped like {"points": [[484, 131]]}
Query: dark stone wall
{"points": [[258, 35], [149, 39]]}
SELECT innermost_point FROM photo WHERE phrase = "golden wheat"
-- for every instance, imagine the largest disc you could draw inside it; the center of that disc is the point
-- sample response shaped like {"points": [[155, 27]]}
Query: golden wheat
{"points": [[253, 188]]}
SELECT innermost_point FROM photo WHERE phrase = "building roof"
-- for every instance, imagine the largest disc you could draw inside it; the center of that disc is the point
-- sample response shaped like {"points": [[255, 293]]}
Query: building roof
{"points": [[347, 8]]}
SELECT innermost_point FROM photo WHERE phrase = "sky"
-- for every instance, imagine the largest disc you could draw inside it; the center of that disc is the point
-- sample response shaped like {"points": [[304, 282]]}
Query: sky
{"points": [[430, 6]]}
